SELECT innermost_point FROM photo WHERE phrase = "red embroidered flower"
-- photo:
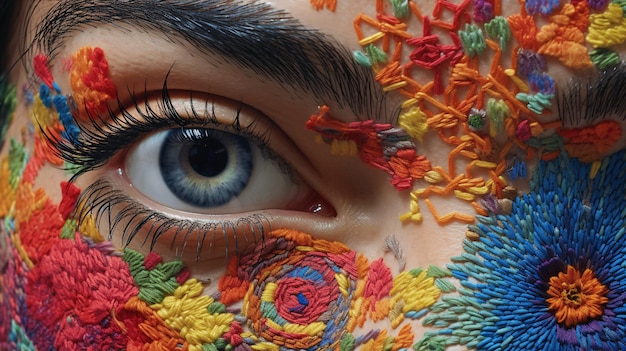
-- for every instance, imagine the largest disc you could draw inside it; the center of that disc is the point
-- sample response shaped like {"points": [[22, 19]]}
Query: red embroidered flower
{"points": [[71, 295]]}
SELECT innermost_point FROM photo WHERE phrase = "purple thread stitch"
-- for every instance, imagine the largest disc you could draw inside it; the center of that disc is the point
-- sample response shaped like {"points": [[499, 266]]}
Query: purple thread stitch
{"points": [[528, 62], [598, 5], [542, 83], [544, 7], [483, 11]]}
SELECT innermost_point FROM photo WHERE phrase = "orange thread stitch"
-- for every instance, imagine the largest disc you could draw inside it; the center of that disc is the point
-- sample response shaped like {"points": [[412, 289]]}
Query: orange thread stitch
{"points": [[591, 143], [91, 85], [328, 4]]}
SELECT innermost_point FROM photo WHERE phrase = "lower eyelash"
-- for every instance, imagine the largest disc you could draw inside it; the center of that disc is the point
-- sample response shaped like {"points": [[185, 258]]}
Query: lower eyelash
{"points": [[120, 211]]}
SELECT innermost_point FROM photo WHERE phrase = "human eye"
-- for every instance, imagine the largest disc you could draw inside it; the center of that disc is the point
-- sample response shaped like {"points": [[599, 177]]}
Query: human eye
{"points": [[207, 170], [188, 170]]}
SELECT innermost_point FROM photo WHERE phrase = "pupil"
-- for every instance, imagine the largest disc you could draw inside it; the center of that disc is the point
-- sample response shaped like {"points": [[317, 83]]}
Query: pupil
{"points": [[209, 158]]}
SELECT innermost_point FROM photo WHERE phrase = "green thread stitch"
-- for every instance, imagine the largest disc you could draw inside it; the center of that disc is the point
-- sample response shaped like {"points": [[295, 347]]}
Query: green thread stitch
{"points": [[550, 143], [400, 8], [347, 344], [476, 119], [604, 58], [430, 342], [375, 54], [537, 102], [498, 111], [18, 335], [209, 347], [68, 230], [472, 40], [17, 162], [217, 307], [498, 28], [438, 272], [156, 283]]}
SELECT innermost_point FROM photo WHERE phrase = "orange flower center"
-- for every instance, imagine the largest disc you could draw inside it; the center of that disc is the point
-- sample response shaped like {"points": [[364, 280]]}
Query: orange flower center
{"points": [[576, 298]]}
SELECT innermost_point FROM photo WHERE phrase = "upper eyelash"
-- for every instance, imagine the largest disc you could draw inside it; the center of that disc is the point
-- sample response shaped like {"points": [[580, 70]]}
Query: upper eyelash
{"points": [[103, 137], [593, 98], [101, 197]]}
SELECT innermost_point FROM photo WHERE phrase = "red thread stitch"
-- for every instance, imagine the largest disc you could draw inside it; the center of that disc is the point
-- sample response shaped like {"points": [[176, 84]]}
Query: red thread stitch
{"points": [[91, 84], [40, 63]]}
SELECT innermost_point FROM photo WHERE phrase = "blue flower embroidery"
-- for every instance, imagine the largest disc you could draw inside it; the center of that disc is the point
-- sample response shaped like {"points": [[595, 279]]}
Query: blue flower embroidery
{"points": [[548, 276]]}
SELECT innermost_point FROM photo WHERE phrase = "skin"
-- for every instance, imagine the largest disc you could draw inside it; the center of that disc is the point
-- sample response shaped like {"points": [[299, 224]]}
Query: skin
{"points": [[341, 180], [367, 206]]}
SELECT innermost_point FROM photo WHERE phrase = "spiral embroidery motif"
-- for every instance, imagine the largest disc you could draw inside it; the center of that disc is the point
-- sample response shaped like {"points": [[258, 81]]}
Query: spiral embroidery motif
{"points": [[299, 291]]}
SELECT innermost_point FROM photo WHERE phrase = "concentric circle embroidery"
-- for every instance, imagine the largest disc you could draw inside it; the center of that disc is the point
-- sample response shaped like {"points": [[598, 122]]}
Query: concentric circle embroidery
{"points": [[299, 291]]}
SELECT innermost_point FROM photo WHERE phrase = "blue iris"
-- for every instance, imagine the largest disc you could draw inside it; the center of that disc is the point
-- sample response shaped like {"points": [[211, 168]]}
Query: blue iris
{"points": [[205, 167]]}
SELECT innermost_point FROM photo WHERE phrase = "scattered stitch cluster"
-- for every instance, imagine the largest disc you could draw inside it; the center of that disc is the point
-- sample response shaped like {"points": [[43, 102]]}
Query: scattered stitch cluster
{"points": [[475, 110]]}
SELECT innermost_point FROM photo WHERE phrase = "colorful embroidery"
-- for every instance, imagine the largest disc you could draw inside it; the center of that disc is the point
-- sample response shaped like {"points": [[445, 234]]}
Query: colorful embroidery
{"points": [[70, 290], [541, 270], [549, 275], [378, 145], [477, 109], [302, 293], [52, 99], [91, 85]]}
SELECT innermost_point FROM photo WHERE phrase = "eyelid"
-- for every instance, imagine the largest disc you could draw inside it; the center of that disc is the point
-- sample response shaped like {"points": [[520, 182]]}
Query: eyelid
{"points": [[105, 140], [105, 135]]}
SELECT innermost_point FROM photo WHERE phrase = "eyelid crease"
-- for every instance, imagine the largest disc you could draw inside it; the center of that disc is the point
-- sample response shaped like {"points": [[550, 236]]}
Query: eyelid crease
{"points": [[105, 135], [102, 199]]}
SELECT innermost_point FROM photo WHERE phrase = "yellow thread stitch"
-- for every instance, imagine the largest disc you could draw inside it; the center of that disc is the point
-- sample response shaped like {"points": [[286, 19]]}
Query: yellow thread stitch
{"points": [[414, 122], [186, 311], [343, 148], [464, 195], [42, 116], [313, 329], [17, 244], [521, 85], [343, 283], [608, 28], [89, 229], [595, 167], [265, 346], [7, 193], [269, 292], [415, 292], [414, 213]]}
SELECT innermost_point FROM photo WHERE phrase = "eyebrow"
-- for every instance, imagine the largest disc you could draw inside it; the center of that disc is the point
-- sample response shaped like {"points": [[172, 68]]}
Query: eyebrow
{"points": [[250, 35], [595, 97]]}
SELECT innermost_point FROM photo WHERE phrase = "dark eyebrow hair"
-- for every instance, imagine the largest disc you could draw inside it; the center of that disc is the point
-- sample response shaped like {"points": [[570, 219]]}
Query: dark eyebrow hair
{"points": [[251, 35], [593, 97]]}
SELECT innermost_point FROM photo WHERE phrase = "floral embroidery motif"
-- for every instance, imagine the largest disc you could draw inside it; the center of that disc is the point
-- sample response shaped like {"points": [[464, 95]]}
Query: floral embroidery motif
{"points": [[549, 275]]}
